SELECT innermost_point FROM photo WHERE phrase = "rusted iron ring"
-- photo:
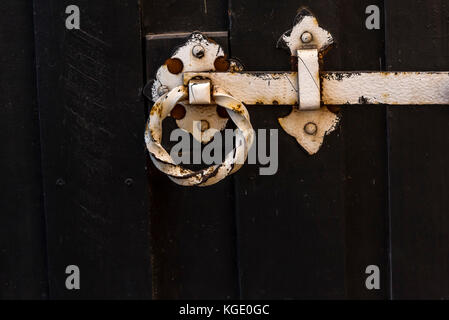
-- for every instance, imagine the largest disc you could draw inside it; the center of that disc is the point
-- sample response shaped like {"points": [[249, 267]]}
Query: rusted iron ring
{"points": [[210, 175]]}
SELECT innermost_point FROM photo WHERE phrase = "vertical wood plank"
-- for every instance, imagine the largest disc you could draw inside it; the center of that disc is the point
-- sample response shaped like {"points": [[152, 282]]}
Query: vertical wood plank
{"points": [[193, 229], [92, 125], [417, 40], [184, 16], [310, 230], [23, 273], [363, 129]]}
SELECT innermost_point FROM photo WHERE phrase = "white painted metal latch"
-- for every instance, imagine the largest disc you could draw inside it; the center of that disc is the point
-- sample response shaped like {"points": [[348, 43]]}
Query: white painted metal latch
{"points": [[309, 79], [198, 77]]}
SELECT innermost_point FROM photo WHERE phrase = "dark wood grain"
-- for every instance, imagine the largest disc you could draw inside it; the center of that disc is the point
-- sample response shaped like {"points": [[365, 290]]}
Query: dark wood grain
{"points": [[92, 124], [310, 230], [184, 16], [363, 130], [193, 229], [417, 39], [23, 273]]}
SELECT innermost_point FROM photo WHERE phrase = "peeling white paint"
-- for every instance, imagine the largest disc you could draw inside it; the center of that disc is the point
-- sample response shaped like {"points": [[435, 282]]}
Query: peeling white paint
{"points": [[337, 88], [306, 22], [213, 174], [295, 123], [192, 63]]}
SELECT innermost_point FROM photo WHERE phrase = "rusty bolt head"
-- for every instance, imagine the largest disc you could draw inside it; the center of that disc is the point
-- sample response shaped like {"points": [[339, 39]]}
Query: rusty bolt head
{"points": [[174, 65], [162, 90], [221, 64], [306, 37], [310, 128], [198, 51], [178, 112]]}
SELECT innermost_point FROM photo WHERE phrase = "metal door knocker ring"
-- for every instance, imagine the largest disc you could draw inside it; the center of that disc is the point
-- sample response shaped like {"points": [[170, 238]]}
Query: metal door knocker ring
{"points": [[210, 175]]}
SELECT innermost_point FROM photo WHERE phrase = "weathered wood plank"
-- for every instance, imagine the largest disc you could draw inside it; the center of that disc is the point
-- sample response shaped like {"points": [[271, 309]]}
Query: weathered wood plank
{"points": [[184, 16], [92, 122], [193, 229], [310, 230], [417, 39], [365, 152], [23, 273]]}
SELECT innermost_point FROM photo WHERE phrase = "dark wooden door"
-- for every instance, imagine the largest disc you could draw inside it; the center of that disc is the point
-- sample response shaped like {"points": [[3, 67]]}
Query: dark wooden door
{"points": [[79, 189], [373, 195], [308, 231]]}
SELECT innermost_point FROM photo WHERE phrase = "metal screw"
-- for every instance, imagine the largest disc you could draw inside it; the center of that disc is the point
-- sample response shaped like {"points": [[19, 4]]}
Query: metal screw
{"points": [[198, 51], [162, 90], [60, 182], [129, 182], [306, 37], [174, 65], [310, 128], [178, 112], [222, 64]]}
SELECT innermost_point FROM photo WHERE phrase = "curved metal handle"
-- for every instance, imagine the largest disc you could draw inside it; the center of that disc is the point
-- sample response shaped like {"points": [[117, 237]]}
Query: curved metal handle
{"points": [[210, 175]]}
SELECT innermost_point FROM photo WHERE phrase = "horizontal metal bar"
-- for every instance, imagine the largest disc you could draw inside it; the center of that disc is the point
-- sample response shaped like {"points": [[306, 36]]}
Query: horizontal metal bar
{"points": [[182, 35], [254, 87], [337, 88]]}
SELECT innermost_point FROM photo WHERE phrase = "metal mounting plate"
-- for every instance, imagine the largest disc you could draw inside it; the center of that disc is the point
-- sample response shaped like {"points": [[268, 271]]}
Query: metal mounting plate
{"points": [[167, 78], [303, 40]]}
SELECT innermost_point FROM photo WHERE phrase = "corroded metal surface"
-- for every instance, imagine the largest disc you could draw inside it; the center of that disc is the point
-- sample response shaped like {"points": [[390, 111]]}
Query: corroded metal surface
{"points": [[210, 175], [305, 22], [183, 60], [197, 54], [276, 88], [337, 88], [309, 127], [200, 65], [392, 88], [307, 41]]}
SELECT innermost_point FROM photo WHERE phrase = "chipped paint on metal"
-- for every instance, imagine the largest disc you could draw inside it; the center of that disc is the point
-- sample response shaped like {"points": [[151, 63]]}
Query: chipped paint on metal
{"points": [[391, 88], [199, 113], [254, 87], [337, 88], [297, 124], [190, 63], [170, 76], [213, 174], [232, 88], [306, 22], [304, 41]]}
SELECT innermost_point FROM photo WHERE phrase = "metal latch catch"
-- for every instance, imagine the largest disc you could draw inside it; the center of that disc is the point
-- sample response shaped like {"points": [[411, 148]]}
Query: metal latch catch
{"points": [[199, 77]]}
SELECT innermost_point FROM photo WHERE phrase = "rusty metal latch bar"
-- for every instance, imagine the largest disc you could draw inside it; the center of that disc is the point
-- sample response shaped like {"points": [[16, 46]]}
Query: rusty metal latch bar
{"points": [[198, 77], [337, 88]]}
